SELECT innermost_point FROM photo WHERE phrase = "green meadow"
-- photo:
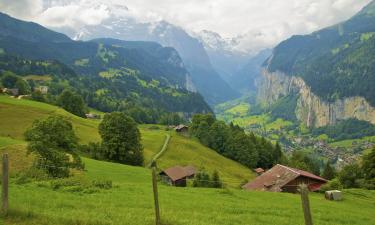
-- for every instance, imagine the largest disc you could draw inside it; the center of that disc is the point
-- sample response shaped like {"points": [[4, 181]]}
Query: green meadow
{"points": [[130, 200]]}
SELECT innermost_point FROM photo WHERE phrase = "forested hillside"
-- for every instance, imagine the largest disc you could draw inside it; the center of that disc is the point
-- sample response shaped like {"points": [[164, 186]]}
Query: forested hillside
{"points": [[141, 76], [335, 62]]}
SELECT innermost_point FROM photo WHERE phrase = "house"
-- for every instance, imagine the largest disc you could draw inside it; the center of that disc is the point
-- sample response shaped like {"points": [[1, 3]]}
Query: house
{"points": [[177, 175], [181, 128], [11, 91], [281, 178], [92, 116], [42, 89], [259, 171]]}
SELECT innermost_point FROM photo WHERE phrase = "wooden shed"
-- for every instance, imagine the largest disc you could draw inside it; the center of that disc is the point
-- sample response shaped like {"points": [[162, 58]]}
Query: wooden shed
{"points": [[281, 178], [181, 128], [177, 175]]}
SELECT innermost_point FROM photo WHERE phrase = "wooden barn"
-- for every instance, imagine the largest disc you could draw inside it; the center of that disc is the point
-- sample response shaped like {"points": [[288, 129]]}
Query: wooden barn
{"points": [[177, 175], [285, 179], [181, 128]]}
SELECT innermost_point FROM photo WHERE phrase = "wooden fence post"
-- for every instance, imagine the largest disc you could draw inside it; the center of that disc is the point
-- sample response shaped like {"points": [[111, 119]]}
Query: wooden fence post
{"points": [[156, 198], [5, 184], [306, 204]]}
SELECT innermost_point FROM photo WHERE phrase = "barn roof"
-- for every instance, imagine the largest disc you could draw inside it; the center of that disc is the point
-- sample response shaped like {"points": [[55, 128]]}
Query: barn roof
{"points": [[259, 170], [278, 176], [181, 126], [179, 172]]}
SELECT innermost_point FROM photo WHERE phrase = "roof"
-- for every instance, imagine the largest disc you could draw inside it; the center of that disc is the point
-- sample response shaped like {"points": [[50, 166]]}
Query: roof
{"points": [[278, 176], [259, 170], [179, 172], [181, 126]]}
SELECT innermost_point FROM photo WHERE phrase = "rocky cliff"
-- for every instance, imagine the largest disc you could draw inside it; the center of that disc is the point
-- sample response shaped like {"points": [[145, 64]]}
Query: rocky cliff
{"points": [[311, 110]]}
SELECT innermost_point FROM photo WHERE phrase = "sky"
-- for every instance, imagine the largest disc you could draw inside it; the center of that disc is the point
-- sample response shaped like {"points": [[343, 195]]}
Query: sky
{"points": [[253, 22]]}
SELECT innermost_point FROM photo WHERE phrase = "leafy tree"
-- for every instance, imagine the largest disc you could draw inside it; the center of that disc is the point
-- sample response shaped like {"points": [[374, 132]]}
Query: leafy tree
{"points": [[368, 168], [53, 141], [9, 79], [72, 103], [328, 172], [23, 87], [202, 179], [304, 161], [121, 139], [38, 96], [350, 176]]}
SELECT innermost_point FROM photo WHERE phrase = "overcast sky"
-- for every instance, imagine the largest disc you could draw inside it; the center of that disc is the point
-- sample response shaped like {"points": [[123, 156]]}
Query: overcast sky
{"points": [[263, 21]]}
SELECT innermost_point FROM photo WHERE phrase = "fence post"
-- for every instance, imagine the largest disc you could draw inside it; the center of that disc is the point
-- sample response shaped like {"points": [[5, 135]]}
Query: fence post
{"points": [[5, 184], [306, 204], [156, 198]]}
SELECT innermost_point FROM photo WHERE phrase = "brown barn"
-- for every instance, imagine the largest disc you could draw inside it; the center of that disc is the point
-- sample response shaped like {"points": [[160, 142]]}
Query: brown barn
{"points": [[181, 128], [177, 175], [285, 179]]}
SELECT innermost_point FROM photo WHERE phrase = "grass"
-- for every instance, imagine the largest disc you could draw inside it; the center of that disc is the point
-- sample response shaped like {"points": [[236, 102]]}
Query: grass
{"points": [[20, 114], [131, 202], [349, 142]]}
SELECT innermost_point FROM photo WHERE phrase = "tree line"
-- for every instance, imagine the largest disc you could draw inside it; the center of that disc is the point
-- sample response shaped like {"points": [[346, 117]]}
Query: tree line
{"points": [[233, 142]]}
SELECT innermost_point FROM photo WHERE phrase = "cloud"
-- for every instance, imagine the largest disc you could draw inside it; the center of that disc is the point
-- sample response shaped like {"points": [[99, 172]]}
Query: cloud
{"points": [[254, 24], [23, 9]]}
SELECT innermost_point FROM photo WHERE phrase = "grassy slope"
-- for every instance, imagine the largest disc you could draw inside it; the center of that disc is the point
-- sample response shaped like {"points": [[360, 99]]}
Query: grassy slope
{"points": [[131, 202], [20, 114]]}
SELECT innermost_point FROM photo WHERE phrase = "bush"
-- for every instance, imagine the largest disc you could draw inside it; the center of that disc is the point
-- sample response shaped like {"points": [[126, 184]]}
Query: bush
{"points": [[102, 184], [332, 185]]}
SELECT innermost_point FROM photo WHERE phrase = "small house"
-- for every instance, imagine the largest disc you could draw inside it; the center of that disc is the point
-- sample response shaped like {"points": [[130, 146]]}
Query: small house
{"points": [[281, 178], [177, 176], [181, 128], [11, 91], [259, 171], [42, 89], [92, 116]]}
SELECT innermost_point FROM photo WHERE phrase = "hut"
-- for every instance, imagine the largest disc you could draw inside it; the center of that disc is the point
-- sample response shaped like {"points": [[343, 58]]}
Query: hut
{"points": [[281, 178], [177, 175], [181, 128], [334, 195]]}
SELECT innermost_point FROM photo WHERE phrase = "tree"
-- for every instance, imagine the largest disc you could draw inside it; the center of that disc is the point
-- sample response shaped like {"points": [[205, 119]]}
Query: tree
{"points": [[328, 172], [23, 87], [368, 169], [9, 79], [350, 176], [38, 96], [202, 179], [53, 141], [121, 139], [72, 103]]}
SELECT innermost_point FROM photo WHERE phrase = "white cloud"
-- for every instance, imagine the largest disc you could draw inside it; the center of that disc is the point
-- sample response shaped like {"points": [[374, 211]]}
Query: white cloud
{"points": [[257, 23]]}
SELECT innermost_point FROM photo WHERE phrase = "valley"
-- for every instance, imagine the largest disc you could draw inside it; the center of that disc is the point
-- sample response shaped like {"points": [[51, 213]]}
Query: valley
{"points": [[121, 114]]}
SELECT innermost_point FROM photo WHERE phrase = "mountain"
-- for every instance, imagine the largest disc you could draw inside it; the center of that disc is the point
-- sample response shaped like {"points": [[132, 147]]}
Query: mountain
{"points": [[110, 74], [224, 57], [239, 67], [207, 81], [331, 70]]}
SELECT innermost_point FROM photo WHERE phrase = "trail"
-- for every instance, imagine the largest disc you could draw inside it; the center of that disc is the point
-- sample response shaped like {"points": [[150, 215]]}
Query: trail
{"points": [[163, 149]]}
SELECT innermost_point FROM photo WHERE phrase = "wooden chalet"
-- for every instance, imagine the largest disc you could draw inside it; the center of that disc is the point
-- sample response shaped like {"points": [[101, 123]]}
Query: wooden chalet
{"points": [[281, 178], [177, 175], [181, 128]]}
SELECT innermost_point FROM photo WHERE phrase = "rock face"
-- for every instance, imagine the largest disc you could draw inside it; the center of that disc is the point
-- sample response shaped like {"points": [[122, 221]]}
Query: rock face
{"points": [[311, 110]]}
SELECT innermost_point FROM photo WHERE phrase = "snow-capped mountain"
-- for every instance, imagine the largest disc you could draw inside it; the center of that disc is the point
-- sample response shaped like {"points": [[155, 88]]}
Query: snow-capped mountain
{"points": [[124, 27]]}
